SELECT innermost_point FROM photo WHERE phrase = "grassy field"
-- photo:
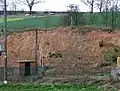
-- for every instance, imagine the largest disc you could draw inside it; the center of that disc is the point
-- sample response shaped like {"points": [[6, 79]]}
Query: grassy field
{"points": [[37, 22], [41, 22], [49, 88], [19, 22], [11, 19]]}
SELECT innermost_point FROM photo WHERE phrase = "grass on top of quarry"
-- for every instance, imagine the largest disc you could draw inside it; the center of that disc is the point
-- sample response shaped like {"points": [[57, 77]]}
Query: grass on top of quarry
{"points": [[24, 87]]}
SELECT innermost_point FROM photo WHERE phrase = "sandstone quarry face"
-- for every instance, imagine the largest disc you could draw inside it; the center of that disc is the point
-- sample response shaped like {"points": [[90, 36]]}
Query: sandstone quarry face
{"points": [[71, 43]]}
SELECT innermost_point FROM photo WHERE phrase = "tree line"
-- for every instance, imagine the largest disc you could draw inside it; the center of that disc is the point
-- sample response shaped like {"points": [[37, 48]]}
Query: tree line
{"points": [[108, 15], [108, 11], [12, 4]]}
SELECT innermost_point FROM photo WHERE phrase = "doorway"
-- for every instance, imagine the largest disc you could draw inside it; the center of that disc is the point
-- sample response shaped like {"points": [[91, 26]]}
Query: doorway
{"points": [[27, 69]]}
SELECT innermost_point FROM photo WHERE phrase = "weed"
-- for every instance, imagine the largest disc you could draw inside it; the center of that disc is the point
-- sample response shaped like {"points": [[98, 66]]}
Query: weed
{"points": [[112, 55], [55, 55]]}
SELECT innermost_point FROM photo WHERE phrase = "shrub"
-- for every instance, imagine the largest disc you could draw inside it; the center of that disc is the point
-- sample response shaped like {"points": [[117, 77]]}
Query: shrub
{"points": [[55, 55], [78, 19], [112, 55], [109, 30]]}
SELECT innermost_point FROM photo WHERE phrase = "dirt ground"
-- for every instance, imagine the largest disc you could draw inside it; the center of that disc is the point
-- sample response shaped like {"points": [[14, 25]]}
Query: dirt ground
{"points": [[75, 56]]}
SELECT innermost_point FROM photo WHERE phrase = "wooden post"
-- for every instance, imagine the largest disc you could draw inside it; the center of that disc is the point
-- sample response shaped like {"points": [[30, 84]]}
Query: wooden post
{"points": [[36, 50], [5, 42]]}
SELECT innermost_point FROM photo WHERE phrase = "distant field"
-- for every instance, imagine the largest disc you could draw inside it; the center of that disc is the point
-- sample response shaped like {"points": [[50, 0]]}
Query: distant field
{"points": [[37, 22], [11, 19], [49, 88]]}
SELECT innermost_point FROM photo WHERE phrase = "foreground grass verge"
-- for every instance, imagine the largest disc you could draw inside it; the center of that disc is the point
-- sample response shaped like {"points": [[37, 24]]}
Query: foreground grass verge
{"points": [[20, 87]]}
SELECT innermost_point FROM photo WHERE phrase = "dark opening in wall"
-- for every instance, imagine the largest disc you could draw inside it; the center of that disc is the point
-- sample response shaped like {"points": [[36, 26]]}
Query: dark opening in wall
{"points": [[27, 69]]}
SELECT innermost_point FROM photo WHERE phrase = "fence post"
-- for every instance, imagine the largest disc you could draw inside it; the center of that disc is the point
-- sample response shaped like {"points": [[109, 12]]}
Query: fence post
{"points": [[5, 41], [36, 49]]}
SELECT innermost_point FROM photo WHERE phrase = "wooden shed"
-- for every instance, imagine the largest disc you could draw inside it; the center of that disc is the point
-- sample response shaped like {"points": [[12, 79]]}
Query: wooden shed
{"points": [[27, 67]]}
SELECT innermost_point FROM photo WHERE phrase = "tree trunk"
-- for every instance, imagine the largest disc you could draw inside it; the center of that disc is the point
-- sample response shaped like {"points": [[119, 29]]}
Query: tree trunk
{"points": [[92, 9], [116, 15], [76, 18], [30, 7], [92, 6], [100, 9], [112, 23], [101, 6], [106, 17]]}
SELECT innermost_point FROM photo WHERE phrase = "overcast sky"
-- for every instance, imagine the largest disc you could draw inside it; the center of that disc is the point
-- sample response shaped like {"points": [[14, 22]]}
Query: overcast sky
{"points": [[56, 5]]}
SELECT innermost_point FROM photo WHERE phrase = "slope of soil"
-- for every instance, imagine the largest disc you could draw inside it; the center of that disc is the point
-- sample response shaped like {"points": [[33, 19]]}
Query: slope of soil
{"points": [[70, 43], [79, 53]]}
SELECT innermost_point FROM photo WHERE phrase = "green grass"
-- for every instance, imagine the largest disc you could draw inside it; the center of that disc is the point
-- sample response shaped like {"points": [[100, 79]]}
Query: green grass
{"points": [[41, 22], [11, 19], [19, 22], [38, 22], [49, 88]]}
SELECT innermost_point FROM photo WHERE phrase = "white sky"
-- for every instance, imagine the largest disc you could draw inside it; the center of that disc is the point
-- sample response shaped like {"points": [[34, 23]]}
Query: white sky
{"points": [[55, 5]]}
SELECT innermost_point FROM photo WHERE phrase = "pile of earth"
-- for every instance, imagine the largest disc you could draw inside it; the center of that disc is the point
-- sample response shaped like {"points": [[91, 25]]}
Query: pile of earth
{"points": [[70, 51], [70, 44]]}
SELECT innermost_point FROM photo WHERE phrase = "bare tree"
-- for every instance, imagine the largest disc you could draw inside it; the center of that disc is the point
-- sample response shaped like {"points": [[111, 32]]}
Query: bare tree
{"points": [[13, 5], [71, 6], [76, 10], [111, 8], [29, 3], [114, 10], [2, 4], [106, 9], [73, 13], [89, 3], [1, 1], [100, 4]]}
